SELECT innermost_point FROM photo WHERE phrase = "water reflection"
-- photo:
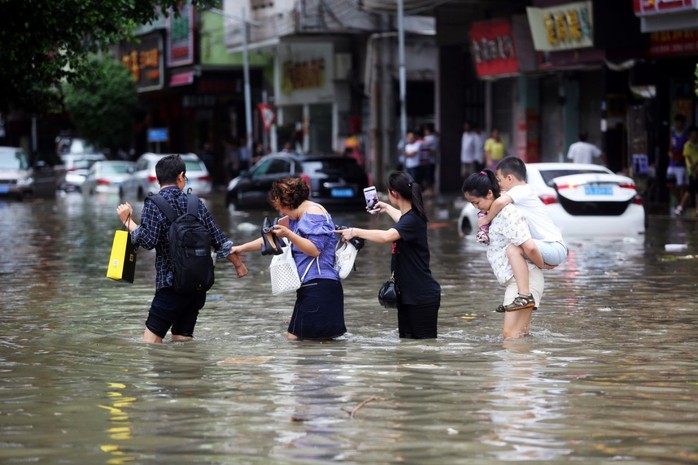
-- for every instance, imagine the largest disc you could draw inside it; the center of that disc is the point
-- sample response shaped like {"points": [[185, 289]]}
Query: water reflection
{"points": [[524, 406], [608, 374]]}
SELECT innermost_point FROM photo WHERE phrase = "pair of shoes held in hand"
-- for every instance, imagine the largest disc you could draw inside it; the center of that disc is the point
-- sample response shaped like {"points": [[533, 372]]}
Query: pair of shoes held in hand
{"points": [[271, 244]]}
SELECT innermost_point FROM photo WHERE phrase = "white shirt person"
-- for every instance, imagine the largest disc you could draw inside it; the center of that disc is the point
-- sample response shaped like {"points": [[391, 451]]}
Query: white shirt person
{"points": [[583, 151]]}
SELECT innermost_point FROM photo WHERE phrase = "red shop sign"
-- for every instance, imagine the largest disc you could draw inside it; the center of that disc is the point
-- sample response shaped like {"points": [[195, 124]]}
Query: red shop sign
{"points": [[667, 43], [493, 50], [654, 7]]}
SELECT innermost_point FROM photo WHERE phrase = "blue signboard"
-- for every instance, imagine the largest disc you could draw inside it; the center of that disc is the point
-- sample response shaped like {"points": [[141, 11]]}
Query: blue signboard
{"points": [[157, 135]]}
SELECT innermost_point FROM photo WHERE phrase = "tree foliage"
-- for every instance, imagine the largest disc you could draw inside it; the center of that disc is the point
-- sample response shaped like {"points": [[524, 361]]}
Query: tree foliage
{"points": [[46, 42], [102, 102]]}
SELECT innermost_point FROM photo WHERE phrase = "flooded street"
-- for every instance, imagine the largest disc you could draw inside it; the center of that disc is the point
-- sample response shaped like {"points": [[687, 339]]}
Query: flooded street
{"points": [[609, 374]]}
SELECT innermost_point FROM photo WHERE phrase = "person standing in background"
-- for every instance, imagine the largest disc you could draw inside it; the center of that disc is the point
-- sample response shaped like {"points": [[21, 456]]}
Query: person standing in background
{"points": [[677, 162], [429, 154], [245, 155], [232, 159], [208, 156], [479, 149], [583, 151], [258, 152], [690, 153], [468, 151], [494, 149], [411, 153]]}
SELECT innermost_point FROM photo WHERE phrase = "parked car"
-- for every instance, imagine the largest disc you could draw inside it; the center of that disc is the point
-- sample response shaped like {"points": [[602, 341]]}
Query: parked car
{"points": [[142, 180], [77, 165], [335, 181], [16, 175], [106, 176], [582, 200]]}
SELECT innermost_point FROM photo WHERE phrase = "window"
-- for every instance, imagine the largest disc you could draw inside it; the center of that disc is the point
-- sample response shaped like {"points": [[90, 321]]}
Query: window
{"points": [[272, 166]]}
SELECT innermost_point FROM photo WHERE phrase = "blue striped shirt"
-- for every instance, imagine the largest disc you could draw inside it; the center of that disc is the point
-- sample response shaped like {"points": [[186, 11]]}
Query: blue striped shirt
{"points": [[152, 233]]}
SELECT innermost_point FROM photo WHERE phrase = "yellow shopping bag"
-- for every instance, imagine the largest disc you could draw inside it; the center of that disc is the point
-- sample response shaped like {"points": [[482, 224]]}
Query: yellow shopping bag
{"points": [[122, 262]]}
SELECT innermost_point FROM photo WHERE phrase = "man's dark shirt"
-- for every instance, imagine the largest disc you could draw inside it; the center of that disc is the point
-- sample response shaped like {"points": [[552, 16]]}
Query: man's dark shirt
{"points": [[152, 233]]}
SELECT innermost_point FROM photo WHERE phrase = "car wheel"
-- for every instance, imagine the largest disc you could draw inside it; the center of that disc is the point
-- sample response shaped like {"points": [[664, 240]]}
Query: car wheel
{"points": [[231, 201], [465, 226], [121, 194], [141, 194]]}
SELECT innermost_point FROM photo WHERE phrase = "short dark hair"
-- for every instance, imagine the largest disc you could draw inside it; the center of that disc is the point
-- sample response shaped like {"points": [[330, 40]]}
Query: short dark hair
{"points": [[168, 168], [513, 166], [583, 136]]}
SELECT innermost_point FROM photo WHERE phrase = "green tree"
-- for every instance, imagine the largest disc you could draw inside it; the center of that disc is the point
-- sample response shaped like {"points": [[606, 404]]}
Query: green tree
{"points": [[102, 102], [46, 42]]}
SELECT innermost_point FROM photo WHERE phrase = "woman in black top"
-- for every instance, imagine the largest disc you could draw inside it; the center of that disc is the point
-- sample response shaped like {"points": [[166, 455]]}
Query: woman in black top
{"points": [[420, 293]]}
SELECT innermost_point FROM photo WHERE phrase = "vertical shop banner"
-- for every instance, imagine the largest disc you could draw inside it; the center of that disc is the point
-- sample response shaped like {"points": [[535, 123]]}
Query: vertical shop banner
{"points": [[493, 49], [563, 27], [304, 73], [180, 36]]}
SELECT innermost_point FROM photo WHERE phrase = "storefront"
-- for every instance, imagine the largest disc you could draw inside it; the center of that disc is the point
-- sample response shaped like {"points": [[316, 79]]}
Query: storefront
{"points": [[503, 56], [672, 30], [305, 96], [573, 88]]}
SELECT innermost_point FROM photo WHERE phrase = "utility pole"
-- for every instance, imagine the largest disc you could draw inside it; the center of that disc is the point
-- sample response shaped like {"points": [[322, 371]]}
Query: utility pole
{"points": [[401, 58], [245, 68]]}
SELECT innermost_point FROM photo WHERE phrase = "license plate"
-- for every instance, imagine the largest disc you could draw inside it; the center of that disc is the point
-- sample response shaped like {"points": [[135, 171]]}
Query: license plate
{"points": [[343, 193], [4, 189], [598, 190]]}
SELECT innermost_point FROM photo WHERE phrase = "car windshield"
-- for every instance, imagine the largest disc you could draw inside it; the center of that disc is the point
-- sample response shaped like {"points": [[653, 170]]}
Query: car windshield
{"points": [[116, 168], [333, 166], [549, 175], [271, 166], [192, 165], [13, 160], [86, 163], [81, 146]]}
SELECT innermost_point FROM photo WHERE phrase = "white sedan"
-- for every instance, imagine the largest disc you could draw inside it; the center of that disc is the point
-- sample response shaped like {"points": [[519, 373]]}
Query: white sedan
{"points": [[143, 181], [106, 176], [582, 200]]}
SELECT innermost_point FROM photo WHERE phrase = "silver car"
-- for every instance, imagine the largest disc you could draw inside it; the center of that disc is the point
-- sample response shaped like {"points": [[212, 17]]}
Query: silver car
{"points": [[106, 176], [16, 175], [77, 165], [144, 181]]}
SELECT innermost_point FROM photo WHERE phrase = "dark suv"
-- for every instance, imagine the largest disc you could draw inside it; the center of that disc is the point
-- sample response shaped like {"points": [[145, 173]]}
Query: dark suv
{"points": [[335, 181]]}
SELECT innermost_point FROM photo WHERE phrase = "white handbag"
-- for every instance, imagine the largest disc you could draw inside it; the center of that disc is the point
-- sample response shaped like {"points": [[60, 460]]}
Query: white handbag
{"points": [[284, 273]]}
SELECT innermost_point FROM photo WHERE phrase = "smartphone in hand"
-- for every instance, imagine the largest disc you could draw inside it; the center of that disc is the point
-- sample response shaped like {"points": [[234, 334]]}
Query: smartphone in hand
{"points": [[283, 221], [371, 197]]}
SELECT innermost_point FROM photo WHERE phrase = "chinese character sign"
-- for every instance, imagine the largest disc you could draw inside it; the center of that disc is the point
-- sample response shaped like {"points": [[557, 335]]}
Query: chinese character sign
{"points": [[563, 27], [493, 49]]}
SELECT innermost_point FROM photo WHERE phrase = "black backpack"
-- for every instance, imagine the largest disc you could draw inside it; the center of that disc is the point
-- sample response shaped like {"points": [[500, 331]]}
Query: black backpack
{"points": [[190, 246]]}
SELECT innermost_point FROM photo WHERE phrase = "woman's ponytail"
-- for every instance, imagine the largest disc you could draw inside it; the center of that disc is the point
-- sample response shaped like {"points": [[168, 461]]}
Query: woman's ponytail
{"points": [[409, 189]]}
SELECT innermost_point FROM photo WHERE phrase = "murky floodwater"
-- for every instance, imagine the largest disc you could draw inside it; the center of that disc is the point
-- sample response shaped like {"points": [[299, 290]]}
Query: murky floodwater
{"points": [[610, 372]]}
